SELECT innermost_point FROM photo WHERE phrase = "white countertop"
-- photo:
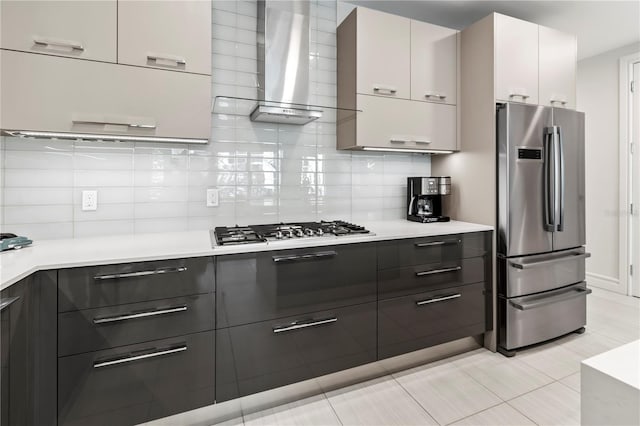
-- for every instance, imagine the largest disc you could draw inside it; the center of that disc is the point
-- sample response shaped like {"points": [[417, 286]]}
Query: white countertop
{"points": [[621, 363], [68, 253]]}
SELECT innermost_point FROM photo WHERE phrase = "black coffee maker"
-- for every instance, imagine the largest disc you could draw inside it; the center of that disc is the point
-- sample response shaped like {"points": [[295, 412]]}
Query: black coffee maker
{"points": [[424, 198]]}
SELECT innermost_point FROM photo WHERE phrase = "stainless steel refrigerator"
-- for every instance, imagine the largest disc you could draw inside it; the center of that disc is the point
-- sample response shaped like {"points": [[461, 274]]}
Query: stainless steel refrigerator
{"points": [[541, 224]]}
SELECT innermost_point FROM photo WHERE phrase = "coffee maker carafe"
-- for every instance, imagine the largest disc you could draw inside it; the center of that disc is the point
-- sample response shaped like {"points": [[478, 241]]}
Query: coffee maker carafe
{"points": [[424, 197]]}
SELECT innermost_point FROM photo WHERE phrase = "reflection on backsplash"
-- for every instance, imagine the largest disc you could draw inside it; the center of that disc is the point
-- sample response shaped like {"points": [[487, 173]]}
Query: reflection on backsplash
{"points": [[265, 172]]}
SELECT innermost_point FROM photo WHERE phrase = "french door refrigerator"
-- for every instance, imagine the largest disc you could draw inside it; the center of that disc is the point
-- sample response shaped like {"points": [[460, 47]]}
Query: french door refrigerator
{"points": [[541, 224]]}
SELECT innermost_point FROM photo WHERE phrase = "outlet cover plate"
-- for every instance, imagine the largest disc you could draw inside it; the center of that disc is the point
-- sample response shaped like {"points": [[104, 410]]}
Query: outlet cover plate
{"points": [[89, 200], [212, 197]]}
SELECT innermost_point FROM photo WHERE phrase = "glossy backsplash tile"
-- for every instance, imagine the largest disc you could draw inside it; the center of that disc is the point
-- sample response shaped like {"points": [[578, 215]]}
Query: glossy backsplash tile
{"points": [[264, 172]]}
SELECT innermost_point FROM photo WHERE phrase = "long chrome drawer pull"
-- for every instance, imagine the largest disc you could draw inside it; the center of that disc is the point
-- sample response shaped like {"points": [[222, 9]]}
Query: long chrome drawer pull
{"points": [[178, 61], [6, 302], [379, 88], [115, 123], [438, 271], [573, 294], [310, 256], [140, 273], [438, 299], [437, 243], [144, 314], [435, 95], [297, 325], [549, 262], [60, 43], [140, 357]]}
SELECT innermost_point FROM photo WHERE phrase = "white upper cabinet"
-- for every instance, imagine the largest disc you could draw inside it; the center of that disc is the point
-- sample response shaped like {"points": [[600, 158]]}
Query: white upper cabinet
{"points": [[516, 60], [172, 34], [558, 59], [383, 54], [434, 63], [79, 29]]}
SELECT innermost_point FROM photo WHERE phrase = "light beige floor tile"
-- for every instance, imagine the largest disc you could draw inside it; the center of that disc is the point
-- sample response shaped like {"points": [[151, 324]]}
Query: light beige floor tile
{"points": [[500, 415], [505, 377], [552, 359], [378, 402], [589, 344], [446, 392], [312, 411], [554, 404], [204, 416], [573, 381]]}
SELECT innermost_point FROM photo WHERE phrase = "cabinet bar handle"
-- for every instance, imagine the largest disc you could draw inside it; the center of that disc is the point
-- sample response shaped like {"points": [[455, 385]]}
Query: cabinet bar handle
{"points": [[438, 299], [437, 243], [116, 123], [297, 325], [310, 256], [519, 95], [435, 95], [144, 314], [558, 101], [398, 140], [382, 88], [140, 273], [48, 42], [422, 141], [177, 60], [140, 357], [438, 271], [7, 301], [550, 261]]}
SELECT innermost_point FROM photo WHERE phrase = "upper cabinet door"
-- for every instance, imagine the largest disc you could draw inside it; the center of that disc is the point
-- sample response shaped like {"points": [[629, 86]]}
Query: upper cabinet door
{"points": [[383, 54], [173, 35], [80, 29], [558, 58], [434, 63], [516, 60]]}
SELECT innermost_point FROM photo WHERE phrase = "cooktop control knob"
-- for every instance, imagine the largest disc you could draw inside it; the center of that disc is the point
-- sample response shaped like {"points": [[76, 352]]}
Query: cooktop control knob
{"points": [[309, 232], [288, 234], [319, 232], [299, 233], [279, 235]]}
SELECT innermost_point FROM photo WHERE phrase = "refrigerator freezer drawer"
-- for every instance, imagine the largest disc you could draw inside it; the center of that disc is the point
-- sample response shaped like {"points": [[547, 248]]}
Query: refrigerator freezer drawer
{"points": [[533, 319], [521, 276]]}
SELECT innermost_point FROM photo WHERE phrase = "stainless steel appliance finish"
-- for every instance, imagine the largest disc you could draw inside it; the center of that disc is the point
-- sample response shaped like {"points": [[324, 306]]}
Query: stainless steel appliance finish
{"points": [[283, 62], [541, 223]]}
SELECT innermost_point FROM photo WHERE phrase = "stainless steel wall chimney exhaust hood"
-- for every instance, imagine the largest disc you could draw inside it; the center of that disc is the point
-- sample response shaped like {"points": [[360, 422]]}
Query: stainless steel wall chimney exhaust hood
{"points": [[283, 63]]}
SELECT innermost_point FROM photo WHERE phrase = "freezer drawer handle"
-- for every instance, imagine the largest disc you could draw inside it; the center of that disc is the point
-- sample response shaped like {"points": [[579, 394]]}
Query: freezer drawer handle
{"points": [[438, 271], [297, 325], [437, 243], [549, 262], [438, 299], [6, 302], [127, 359], [145, 314], [45, 42], [310, 256], [139, 273], [572, 294]]}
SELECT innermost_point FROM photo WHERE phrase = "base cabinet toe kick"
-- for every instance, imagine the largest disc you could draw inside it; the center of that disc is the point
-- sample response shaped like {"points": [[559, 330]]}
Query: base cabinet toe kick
{"points": [[128, 343]]}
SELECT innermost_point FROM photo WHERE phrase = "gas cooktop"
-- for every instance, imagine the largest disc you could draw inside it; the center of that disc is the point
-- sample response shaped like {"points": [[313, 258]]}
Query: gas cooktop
{"points": [[285, 231]]}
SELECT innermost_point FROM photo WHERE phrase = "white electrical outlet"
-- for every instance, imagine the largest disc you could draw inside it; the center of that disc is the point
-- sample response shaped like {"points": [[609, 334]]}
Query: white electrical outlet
{"points": [[89, 200], [212, 197]]}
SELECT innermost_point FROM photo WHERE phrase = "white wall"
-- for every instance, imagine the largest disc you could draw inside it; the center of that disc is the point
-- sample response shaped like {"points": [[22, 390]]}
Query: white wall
{"points": [[265, 172], [598, 97]]}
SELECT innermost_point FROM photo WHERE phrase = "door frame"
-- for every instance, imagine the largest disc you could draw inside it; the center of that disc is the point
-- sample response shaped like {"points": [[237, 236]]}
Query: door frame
{"points": [[624, 145]]}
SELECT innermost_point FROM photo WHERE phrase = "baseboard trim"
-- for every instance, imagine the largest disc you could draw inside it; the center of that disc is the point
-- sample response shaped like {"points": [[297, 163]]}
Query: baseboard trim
{"points": [[605, 282]]}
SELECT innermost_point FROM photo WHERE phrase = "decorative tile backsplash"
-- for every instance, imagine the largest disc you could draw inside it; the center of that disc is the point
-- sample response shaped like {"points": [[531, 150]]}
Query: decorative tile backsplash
{"points": [[265, 172]]}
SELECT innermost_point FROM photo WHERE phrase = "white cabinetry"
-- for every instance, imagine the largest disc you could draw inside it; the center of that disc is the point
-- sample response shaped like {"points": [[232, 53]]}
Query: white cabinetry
{"points": [[80, 29], [558, 59], [172, 35]]}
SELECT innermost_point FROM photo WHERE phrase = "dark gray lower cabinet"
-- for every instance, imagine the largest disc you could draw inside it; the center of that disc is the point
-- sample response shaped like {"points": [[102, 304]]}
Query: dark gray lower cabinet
{"points": [[28, 351], [421, 320], [256, 357], [136, 383]]}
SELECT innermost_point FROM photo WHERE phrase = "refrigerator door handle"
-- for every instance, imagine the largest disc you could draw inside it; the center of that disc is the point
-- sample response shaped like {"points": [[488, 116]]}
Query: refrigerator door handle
{"points": [[560, 180], [549, 180]]}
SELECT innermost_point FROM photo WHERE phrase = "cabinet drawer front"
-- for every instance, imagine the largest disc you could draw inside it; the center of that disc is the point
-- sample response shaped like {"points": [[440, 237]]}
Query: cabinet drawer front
{"points": [[134, 384], [56, 94], [418, 251], [410, 323], [420, 278], [78, 29], [256, 357], [108, 285], [103, 328], [261, 286]]}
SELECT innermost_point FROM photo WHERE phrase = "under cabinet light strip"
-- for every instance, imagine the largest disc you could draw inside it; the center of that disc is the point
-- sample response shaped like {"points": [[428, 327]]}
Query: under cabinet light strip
{"points": [[423, 151], [97, 136]]}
